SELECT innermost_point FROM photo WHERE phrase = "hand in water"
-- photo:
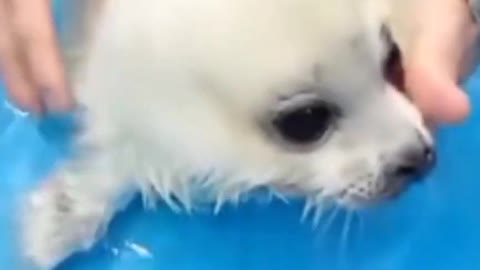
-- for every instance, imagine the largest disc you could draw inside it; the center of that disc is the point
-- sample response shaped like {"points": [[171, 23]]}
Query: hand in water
{"points": [[30, 62]]}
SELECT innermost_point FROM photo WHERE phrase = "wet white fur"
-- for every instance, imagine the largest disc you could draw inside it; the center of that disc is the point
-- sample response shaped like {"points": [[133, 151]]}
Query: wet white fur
{"points": [[173, 91]]}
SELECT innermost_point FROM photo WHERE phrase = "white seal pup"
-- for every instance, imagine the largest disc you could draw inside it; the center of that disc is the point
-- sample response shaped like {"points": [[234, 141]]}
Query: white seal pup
{"points": [[228, 96]]}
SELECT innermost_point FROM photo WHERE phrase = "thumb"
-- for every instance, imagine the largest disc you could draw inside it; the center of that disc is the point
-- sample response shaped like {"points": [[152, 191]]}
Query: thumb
{"points": [[436, 60], [436, 94]]}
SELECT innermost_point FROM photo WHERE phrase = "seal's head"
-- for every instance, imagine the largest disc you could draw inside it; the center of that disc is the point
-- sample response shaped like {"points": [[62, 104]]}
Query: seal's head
{"points": [[291, 95]]}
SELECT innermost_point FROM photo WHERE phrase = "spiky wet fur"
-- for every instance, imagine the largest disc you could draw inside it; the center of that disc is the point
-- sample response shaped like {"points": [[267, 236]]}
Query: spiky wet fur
{"points": [[175, 91]]}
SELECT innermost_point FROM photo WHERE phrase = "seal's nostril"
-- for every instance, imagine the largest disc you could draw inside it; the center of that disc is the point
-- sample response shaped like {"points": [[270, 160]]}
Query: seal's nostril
{"points": [[415, 164]]}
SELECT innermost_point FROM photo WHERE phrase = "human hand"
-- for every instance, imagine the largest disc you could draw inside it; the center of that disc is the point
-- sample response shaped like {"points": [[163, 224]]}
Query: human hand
{"points": [[33, 70], [438, 58], [30, 62]]}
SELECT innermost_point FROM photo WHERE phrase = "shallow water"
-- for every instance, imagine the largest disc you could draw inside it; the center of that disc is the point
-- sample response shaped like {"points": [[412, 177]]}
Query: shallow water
{"points": [[436, 225]]}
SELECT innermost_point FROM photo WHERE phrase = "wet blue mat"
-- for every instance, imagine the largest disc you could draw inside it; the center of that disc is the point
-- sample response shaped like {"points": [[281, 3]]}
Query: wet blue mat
{"points": [[436, 225]]}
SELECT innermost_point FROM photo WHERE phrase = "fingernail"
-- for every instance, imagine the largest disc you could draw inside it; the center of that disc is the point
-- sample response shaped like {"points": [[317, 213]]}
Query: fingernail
{"points": [[56, 102], [31, 108]]}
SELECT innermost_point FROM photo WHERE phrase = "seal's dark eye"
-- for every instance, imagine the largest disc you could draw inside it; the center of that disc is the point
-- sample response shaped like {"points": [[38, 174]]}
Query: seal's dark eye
{"points": [[304, 124]]}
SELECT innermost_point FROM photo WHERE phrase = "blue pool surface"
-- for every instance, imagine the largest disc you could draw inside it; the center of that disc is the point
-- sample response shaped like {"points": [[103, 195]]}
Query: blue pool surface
{"points": [[436, 225]]}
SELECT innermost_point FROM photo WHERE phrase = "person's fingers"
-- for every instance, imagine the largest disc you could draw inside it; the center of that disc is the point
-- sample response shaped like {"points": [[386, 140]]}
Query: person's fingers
{"points": [[438, 97], [34, 22], [436, 61], [16, 77]]}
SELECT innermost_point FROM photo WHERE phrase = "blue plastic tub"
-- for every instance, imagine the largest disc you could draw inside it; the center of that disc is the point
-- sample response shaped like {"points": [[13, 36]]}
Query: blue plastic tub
{"points": [[436, 225]]}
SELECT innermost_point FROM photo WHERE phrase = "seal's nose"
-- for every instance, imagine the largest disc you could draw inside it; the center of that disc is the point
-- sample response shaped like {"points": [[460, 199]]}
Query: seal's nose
{"points": [[414, 164]]}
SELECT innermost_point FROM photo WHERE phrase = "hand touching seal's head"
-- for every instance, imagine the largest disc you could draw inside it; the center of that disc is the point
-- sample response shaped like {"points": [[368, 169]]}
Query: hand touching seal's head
{"points": [[195, 101], [291, 95]]}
